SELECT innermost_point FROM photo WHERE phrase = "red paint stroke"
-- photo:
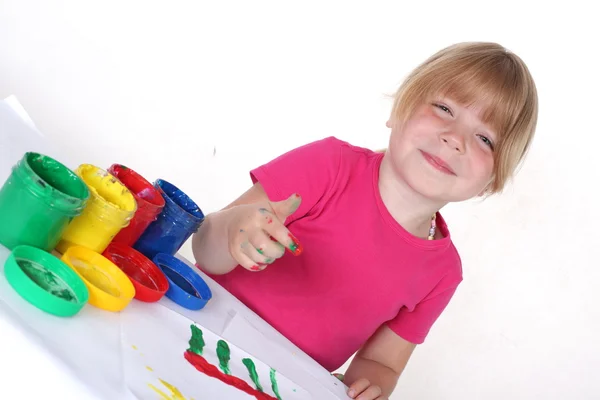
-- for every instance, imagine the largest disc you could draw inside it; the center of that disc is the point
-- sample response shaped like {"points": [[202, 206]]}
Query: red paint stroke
{"points": [[255, 268], [206, 368], [270, 221]]}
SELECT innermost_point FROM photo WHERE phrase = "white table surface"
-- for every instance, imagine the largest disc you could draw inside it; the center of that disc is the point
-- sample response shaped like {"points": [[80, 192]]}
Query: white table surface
{"points": [[44, 356]]}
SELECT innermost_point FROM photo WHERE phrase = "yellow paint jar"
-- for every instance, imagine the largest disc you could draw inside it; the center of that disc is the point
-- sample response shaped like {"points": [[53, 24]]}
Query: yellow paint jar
{"points": [[110, 208], [109, 288]]}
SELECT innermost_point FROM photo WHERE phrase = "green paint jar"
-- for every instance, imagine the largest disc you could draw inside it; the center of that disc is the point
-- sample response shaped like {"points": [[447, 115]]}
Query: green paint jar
{"points": [[38, 201]]}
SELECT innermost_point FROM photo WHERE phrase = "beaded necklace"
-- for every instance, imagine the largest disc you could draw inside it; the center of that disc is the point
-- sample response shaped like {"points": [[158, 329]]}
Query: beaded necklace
{"points": [[432, 228]]}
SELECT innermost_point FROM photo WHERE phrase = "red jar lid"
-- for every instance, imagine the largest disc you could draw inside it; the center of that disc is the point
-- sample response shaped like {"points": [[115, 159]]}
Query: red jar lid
{"points": [[149, 281]]}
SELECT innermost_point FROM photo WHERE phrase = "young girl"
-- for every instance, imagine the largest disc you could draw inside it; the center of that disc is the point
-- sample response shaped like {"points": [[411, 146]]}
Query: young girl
{"points": [[370, 263]]}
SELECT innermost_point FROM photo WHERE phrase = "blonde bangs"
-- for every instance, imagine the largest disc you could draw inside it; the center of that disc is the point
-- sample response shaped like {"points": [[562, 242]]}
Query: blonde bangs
{"points": [[487, 76]]}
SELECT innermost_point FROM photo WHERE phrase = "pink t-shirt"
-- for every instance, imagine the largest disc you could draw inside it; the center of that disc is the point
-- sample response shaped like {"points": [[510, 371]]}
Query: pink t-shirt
{"points": [[359, 268]]}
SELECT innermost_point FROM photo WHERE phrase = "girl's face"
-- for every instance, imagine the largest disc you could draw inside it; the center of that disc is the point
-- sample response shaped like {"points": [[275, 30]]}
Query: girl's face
{"points": [[444, 152]]}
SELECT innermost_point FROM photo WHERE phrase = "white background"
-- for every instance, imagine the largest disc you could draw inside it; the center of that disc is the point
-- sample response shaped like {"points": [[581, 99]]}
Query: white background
{"points": [[199, 92]]}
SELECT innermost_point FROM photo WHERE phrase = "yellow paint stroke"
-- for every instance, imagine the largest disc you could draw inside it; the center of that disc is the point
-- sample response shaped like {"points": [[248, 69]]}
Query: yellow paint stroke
{"points": [[133, 346], [149, 369], [174, 395]]}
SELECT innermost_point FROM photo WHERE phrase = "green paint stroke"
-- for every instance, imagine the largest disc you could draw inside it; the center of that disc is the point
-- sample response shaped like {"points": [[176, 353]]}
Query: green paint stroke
{"points": [[196, 341], [224, 355], [274, 384], [252, 371]]}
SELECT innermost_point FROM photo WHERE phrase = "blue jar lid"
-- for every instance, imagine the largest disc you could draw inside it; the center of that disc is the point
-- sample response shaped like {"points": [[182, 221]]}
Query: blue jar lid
{"points": [[186, 287]]}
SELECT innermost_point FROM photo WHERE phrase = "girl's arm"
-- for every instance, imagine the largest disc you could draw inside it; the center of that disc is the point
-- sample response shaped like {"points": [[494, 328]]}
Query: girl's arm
{"points": [[374, 371], [210, 244]]}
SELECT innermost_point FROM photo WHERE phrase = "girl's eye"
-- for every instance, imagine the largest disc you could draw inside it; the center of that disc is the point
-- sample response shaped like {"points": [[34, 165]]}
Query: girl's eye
{"points": [[443, 108], [487, 141]]}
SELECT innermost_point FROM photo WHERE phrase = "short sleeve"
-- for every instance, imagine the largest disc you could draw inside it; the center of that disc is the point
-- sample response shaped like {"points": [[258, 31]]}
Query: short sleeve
{"points": [[309, 170], [414, 325]]}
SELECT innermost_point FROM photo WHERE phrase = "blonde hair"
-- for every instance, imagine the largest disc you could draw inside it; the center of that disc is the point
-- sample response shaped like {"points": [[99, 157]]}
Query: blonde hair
{"points": [[482, 73]]}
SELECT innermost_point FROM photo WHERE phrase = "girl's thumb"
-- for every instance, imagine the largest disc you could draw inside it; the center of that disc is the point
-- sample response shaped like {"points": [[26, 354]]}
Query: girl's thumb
{"points": [[287, 207]]}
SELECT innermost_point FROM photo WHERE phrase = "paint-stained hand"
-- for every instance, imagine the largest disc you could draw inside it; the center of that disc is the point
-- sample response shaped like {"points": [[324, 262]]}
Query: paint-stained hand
{"points": [[362, 389], [258, 236]]}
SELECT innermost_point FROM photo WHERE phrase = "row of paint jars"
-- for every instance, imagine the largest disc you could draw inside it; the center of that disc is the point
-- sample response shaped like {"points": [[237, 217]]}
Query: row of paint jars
{"points": [[90, 211]]}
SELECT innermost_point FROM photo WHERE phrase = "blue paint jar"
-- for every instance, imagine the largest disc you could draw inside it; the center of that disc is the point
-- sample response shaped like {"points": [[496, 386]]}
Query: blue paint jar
{"points": [[179, 219]]}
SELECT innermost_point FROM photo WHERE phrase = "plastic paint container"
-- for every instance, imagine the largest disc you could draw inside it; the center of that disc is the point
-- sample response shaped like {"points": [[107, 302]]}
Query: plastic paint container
{"points": [[45, 281], [37, 202], [179, 219], [149, 281], [149, 203], [186, 287], [109, 209], [110, 289]]}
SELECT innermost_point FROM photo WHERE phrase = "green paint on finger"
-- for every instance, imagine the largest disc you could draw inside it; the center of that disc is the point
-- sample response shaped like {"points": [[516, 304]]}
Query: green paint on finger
{"points": [[252, 371], [295, 246], [224, 355]]}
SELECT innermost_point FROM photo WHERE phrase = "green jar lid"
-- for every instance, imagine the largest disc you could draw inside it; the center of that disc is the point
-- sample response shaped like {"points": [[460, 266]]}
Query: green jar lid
{"points": [[45, 281]]}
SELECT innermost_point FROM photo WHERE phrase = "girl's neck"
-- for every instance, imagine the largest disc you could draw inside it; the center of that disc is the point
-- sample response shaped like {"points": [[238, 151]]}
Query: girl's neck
{"points": [[410, 209]]}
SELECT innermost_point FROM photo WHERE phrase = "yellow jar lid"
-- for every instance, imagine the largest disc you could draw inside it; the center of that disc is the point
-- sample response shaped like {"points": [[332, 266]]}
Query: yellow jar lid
{"points": [[110, 289]]}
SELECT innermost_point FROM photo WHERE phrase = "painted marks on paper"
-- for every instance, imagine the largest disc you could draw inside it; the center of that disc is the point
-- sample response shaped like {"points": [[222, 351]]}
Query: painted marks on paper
{"points": [[194, 356]]}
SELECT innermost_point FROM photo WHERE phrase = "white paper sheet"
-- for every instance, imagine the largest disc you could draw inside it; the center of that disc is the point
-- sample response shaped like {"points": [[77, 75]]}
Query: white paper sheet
{"points": [[153, 347], [249, 338]]}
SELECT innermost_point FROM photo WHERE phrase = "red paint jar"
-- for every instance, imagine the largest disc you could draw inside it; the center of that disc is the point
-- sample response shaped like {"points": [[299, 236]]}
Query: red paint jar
{"points": [[149, 281], [149, 203]]}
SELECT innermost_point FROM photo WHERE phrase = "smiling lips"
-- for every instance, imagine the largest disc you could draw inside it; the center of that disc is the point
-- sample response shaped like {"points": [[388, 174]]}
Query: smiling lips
{"points": [[438, 163]]}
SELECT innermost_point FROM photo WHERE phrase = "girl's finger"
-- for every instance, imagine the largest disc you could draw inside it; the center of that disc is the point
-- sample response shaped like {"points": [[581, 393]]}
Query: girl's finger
{"points": [[265, 246], [254, 254], [358, 387], [246, 262], [371, 393], [239, 251], [279, 232]]}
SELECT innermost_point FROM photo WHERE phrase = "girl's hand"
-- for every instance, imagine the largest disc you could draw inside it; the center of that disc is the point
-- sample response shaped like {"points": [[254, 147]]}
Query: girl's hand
{"points": [[362, 389], [257, 235]]}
